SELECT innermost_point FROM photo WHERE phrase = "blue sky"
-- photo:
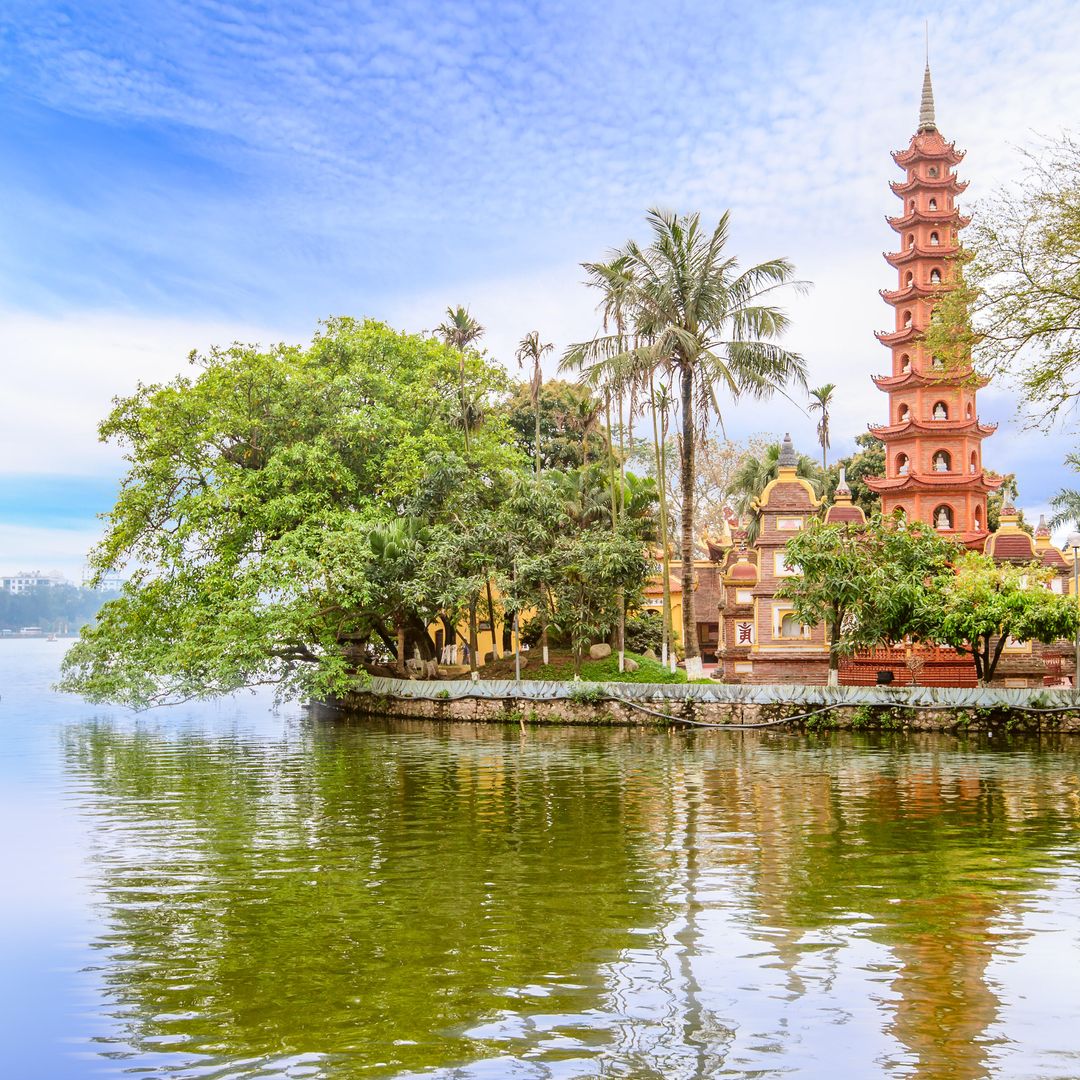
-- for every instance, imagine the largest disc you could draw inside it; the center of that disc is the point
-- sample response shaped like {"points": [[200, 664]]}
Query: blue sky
{"points": [[177, 174]]}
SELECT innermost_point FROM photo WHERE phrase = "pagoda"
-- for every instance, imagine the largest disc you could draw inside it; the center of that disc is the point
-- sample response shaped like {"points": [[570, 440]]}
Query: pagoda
{"points": [[933, 440]]}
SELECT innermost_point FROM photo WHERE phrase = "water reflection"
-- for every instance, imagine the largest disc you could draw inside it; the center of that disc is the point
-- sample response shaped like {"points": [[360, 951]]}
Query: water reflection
{"points": [[383, 900]]}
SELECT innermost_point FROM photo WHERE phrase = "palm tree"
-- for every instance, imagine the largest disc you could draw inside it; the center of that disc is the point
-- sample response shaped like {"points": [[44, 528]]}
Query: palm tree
{"points": [[531, 350], [820, 402], [755, 473], [461, 331], [696, 315]]}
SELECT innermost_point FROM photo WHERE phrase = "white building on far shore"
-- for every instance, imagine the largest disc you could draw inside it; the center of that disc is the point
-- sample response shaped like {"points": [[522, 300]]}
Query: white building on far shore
{"points": [[25, 580]]}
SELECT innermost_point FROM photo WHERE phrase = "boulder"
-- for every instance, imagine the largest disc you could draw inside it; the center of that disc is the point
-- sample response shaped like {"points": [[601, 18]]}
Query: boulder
{"points": [[649, 654], [630, 665], [599, 652]]}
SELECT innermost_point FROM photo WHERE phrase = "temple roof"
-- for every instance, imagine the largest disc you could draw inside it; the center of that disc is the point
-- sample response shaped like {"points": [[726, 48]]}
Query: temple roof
{"points": [[922, 378], [941, 482], [897, 337], [929, 217], [914, 291], [948, 182], [928, 146], [942, 251], [885, 432]]}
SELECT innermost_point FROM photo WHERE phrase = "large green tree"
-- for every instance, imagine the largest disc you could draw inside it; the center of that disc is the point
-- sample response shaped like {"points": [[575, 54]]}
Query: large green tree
{"points": [[867, 583], [984, 604], [246, 515], [712, 328]]}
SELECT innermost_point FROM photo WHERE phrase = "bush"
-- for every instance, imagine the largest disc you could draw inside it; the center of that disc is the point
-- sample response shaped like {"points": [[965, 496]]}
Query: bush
{"points": [[644, 630]]}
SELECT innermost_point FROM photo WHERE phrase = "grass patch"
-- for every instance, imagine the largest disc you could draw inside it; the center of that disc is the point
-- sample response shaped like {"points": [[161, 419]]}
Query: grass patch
{"points": [[607, 670]]}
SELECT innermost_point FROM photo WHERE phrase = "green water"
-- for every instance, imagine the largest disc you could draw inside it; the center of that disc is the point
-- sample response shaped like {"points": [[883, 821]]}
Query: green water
{"points": [[227, 891]]}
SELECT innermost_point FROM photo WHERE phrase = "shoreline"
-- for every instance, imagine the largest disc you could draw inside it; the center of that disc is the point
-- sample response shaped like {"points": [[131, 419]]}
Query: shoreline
{"points": [[731, 708]]}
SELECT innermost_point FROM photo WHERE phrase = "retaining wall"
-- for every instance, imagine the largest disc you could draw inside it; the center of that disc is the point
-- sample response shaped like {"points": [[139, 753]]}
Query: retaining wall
{"points": [[796, 707]]}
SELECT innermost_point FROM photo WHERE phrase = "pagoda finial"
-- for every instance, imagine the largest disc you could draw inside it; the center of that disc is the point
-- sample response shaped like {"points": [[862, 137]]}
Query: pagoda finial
{"points": [[926, 108], [788, 458]]}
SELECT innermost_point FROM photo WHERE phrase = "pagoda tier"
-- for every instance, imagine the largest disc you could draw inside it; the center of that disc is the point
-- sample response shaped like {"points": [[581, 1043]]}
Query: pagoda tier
{"points": [[916, 252], [929, 217], [933, 467], [947, 183], [912, 292], [937, 150], [889, 432], [934, 482], [911, 379]]}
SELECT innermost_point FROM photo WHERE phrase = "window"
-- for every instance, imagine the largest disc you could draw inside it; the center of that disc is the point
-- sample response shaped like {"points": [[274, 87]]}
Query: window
{"points": [[973, 464], [907, 319], [937, 363], [978, 518], [1056, 585], [910, 241], [933, 204], [911, 205], [910, 279], [932, 172], [941, 411], [744, 596], [942, 461], [789, 524], [935, 277], [934, 241], [903, 465], [943, 519], [905, 364], [790, 627], [903, 415], [780, 566], [969, 413]]}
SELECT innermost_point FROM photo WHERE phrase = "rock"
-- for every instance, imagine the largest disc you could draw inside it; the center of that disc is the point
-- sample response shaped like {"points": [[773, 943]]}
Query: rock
{"points": [[649, 654], [599, 652], [630, 665]]}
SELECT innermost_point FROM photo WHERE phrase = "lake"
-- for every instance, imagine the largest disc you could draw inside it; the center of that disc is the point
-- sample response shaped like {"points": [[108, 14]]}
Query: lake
{"points": [[229, 890]]}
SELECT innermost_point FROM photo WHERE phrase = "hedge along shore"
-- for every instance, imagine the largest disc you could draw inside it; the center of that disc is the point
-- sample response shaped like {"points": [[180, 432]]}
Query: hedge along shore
{"points": [[734, 708]]}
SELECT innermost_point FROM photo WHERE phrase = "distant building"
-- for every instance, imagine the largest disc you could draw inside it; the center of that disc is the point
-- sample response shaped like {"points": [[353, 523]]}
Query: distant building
{"points": [[25, 580]]}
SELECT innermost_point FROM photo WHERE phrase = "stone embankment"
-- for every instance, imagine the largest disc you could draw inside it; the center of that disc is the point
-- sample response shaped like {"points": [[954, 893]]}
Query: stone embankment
{"points": [[815, 708]]}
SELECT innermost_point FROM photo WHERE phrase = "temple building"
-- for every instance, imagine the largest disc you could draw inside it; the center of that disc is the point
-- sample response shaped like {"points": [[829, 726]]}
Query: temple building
{"points": [[934, 474]]}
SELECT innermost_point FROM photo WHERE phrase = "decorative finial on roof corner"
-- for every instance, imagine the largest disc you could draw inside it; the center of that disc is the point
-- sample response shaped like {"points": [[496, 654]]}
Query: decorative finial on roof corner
{"points": [[843, 492], [788, 458]]}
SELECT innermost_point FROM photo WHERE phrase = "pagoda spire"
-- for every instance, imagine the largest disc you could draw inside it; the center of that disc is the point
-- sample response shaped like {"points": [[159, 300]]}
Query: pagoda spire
{"points": [[926, 108]]}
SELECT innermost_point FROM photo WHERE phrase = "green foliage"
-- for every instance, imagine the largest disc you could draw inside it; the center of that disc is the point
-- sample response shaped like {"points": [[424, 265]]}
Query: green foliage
{"points": [[644, 630], [588, 695], [868, 583], [1018, 297], [984, 604], [564, 408], [249, 507]]}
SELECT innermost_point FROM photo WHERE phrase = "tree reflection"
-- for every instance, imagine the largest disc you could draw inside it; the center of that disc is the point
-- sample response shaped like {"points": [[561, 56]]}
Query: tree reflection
{"points": [[361, 897]]}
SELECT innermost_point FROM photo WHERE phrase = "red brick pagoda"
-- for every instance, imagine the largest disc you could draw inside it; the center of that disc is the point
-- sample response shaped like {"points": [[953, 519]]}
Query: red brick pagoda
{"points": [[933, 440]]}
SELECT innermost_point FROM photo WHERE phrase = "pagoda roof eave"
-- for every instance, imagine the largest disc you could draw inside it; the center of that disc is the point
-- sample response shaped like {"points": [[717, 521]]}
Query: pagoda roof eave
{"points": [[897, 337], [914, 152], [948, 183], [912, 292], [936, 482], [891, 432], [916, 378], [942, 251], [934, 217]]}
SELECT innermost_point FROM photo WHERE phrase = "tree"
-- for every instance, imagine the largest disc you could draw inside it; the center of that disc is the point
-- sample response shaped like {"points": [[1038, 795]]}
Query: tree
{"points": [[247, 511], [697, 317], [984, 604], [1066, 503], [530, 350], [821, 402], [868, 460], [755, 472], [868, 583], [397, 550], [1015, 304], [461, 332], [560, 443]]}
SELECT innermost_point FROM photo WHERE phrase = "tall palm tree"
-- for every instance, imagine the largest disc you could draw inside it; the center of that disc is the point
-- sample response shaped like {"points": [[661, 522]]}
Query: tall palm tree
{"points": [[461, 331], [713, 328], [821, 402], [532, 351]]}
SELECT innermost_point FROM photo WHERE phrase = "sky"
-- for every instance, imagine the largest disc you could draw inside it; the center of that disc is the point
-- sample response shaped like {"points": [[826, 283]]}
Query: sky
{"points": [[180, 174]]}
